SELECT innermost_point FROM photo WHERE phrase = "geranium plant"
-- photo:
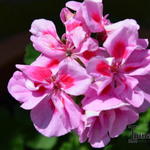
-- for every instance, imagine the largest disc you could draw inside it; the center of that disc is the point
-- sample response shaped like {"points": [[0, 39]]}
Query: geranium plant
{"points": [[107, 63]]}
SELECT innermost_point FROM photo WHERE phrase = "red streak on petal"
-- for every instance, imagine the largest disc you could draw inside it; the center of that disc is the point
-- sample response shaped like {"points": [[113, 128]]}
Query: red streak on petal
{"points": [[53, 63], [119, 50], [67, 80], [42, 90], [41, 74], [103, 68], [52, 106], [51, 45], [130, 68], [63, 101], [96, 17], [46, 32], [72, 26], [88, 54], [106, 89]]}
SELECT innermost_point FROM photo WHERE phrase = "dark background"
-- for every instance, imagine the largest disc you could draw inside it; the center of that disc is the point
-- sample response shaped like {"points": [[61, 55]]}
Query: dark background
{"points": [[16, 17]]}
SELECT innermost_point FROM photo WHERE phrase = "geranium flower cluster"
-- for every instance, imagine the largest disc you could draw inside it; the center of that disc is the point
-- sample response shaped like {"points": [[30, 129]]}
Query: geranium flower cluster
{"points": [[107, 63]]}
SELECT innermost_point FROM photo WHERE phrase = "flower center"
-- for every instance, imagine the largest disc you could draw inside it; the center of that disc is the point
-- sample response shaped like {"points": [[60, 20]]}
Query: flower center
{"points": [[68, 53], [115, 67]]}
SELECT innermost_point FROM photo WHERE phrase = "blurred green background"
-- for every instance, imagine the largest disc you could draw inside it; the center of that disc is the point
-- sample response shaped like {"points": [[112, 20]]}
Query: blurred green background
{"points": [[16, 16]]}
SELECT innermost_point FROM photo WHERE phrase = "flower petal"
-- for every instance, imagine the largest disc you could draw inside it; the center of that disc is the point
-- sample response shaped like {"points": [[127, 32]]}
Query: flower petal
{"points": [[122, 42], [56, 116], [97, 135], [20, 92], [48, 45], [99, 67], [104, 103], [44, 61], [144, 85], [65, 15], [42, 27], [73, 78], [36, 73], [73, 5], [92, 13], [138, 63], [124, 116]]}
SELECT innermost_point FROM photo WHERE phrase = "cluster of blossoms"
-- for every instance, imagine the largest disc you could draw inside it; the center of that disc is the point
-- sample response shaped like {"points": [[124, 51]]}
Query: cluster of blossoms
{"points": [[107, 63]]}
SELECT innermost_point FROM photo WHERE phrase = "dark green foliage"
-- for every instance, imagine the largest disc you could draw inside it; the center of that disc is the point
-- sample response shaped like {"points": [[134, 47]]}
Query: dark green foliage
{"points": [[30, 55]]}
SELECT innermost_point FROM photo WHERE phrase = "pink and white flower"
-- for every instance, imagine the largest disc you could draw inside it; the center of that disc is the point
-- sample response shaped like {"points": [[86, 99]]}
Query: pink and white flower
{"points": [[90, 12], [105, 117], [99, 127], [107, 63], [75, 43], [53, 111], [118, 73]]}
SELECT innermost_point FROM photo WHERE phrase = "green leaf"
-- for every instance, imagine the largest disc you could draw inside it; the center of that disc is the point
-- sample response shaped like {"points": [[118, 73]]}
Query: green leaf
{"points": [[66, 146], [83, 148], [41, 142], [72, 143], [126, 133], [109, 147], [30, 55], [143, 124], [17, 143]]}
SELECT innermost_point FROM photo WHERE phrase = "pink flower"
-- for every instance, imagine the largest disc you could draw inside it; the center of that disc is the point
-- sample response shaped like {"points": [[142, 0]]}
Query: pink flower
{"points": [[90, 12], [53, 111], [75, 43], [104, 125], [105, 62], [118, 73], [105, 117]]}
